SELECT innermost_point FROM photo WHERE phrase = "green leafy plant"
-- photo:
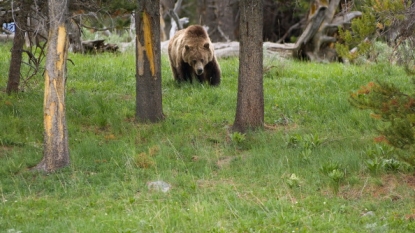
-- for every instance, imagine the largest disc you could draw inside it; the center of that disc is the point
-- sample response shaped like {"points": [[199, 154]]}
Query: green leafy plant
{"points": [[294, 141], [237, 137], [311, 141], [308, 141], [306, 155], [336, 177], [392, 165], [383, 158], [375, 155], [374, 165], [379, 150], [328, 167], [293, 181], [335, 172]]}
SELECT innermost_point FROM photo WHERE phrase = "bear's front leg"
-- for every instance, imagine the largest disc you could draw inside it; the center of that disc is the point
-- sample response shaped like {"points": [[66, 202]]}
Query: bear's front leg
{"points": [[187, 72], [175, 73], [180, 74], [213, 73]]}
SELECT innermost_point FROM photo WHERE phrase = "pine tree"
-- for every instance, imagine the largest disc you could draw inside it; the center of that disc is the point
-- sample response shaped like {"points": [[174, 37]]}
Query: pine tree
{"points": [[390, 105]]}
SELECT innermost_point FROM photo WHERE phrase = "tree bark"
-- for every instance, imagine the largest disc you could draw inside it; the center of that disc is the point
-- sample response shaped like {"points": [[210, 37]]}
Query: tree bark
{"points": [[148, 62], [17, 50], [250, 100], [56, 148]]}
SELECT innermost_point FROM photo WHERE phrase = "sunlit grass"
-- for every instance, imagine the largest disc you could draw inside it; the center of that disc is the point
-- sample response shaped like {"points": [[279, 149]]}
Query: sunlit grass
{"points": [[279, 179]]}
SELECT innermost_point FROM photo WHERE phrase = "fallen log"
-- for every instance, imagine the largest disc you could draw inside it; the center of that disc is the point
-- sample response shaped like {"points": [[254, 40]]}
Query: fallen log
{"points": [[6, 37], [231, 49], [98, 46]]}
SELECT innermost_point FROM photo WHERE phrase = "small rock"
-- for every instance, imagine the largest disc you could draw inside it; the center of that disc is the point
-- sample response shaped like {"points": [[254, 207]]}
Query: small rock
{"points": [[368, 214], [159, 186]]}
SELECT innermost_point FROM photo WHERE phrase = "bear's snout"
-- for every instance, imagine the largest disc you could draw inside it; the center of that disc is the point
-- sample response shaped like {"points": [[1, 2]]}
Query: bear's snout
{"points": [[198, 68], [199, 71]]}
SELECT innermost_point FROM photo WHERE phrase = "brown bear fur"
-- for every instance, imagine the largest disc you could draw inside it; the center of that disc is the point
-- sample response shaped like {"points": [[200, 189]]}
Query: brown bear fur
{"points": [[191, 54]]}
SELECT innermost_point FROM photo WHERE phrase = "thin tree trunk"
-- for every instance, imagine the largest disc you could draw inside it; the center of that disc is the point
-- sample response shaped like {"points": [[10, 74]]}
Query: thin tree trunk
{"points": [[148, 62], [56, 148], [219, 17], [250, 101], [16, 59]]}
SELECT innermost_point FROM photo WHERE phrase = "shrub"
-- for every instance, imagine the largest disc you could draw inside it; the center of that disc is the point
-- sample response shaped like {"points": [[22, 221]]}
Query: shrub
{"points": [[395, 108], [380, 17]]}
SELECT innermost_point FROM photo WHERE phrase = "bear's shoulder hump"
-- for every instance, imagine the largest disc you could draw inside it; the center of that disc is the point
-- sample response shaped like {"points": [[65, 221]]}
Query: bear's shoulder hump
{"points": [[196, 31]]}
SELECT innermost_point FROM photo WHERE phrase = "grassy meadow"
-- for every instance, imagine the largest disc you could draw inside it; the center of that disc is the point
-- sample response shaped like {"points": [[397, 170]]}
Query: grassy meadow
{"points": [[313, 168]]}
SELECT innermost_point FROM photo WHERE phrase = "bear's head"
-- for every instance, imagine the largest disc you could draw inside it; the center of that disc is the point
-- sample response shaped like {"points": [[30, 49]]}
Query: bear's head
{"points": [[198, 56]]}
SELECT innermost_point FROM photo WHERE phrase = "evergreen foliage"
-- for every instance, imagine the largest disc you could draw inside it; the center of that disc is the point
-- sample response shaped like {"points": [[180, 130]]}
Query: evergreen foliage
{"points": [[390, 105], [387, 102], [378, 17]]}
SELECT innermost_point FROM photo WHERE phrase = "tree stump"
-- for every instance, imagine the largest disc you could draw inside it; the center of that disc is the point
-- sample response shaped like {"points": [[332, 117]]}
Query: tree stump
{"points": [[317, 41]]}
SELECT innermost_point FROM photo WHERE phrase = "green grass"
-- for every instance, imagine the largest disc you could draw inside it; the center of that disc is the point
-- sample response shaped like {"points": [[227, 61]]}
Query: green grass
{"points": [[305, 172]]}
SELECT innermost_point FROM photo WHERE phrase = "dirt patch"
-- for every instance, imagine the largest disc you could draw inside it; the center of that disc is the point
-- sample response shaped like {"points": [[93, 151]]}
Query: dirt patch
{"points": [[224, 161], [410, 180], [390, 186], [278, 127], [5, 149], [215, 183]]}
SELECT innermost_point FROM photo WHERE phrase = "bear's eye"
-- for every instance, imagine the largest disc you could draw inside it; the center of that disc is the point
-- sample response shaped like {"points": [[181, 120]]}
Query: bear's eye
{"points": [[194, 61], [201, 60]]}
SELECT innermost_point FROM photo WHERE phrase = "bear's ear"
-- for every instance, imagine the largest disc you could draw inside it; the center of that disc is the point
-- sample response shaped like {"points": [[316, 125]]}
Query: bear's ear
{"points": [[187, 47], [206, 45]]}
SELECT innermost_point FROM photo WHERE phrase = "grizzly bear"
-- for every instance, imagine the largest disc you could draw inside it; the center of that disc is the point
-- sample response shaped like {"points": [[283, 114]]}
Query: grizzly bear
{"points": [[191, 55]]}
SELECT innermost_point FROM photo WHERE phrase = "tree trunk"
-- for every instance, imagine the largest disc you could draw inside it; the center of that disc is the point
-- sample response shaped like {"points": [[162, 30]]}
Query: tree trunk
{"points": [[250, 102], [56, 148], [17, 50], [219, 16], [148, 62]]}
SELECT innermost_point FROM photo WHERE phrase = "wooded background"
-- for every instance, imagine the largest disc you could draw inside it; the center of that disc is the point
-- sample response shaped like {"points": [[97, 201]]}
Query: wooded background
{"points": [[220, 16]]}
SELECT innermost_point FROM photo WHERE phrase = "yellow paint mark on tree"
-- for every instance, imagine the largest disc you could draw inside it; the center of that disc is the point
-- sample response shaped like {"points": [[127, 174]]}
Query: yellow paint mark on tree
{"points": [[148, 43], [60, 47], [313, 9], [47, 120], [54, 86], [324, 2]]}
